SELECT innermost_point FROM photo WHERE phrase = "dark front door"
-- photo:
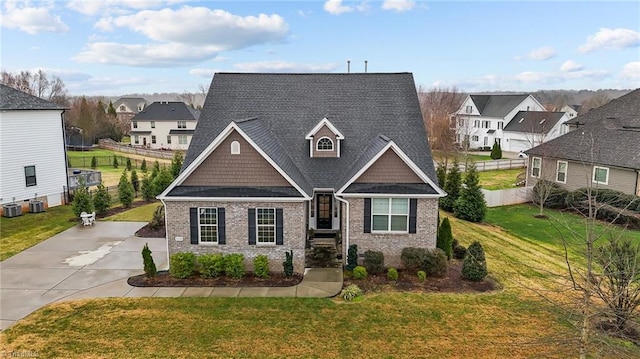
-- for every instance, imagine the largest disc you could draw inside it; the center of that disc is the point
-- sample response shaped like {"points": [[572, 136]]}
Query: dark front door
{"points": [[324, 211]]}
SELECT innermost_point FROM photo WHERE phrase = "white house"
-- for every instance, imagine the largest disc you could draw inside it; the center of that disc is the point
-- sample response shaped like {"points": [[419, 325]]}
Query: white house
{"points": [[528, 129], [481, 119], [32, 149], [164, 125]]}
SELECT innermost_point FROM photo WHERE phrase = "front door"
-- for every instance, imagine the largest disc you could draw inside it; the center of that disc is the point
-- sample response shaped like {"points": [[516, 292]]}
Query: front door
{"points": [[324, 211]]}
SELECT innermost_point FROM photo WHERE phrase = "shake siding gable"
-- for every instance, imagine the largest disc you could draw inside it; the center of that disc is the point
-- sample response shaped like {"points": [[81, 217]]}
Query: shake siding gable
{"points": [[248, 168], [389, 168]]}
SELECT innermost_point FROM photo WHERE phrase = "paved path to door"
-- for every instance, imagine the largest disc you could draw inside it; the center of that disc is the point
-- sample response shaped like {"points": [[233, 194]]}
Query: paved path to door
{"points": [[95, 262]]}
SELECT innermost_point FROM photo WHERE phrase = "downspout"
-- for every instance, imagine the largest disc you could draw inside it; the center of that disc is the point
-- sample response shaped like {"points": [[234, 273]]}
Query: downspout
{"points": [[166, 234], [346, 233], [66, 158]]}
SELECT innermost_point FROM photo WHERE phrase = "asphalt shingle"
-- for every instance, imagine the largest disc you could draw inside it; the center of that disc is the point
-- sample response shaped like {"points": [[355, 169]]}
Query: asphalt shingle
{"points": [[12, 99]]}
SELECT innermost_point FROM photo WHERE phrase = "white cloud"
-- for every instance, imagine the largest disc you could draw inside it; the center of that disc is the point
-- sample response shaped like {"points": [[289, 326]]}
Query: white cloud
{"points": [[336, 7], [631, 71], [162, 55], [106, 7], [283, 66], [398, 5], [541, 53], [32, 20], [570, 66], [207, 73], [610, 39]]}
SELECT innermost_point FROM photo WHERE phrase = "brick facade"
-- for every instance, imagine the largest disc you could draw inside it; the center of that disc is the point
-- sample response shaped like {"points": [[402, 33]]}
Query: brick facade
{"points": [[294, 221], [391, 244]]}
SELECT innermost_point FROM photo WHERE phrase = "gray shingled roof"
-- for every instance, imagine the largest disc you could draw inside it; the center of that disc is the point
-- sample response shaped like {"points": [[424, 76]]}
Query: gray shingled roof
{"points": [[131, 102], [287, 106], [12, 99], [531, 121], [167, 111], [611, 136], [497, 105]]}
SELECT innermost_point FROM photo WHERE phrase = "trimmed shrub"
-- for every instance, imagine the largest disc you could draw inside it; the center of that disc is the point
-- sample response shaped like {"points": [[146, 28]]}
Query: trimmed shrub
{"points": [[261, 266], [234, 265], [445, 237], [211, 265], [495, 155], [288, 264], [392, 274], [351, 292], [412, 257], [158, 218], [435, 263], [556, 196], [150, 269], [374, 262], [94, 162], [422, 276], [182, 265], [360, 273], [474, 266], [459, 251], [101, 199], [476, 250], [352, 257]]}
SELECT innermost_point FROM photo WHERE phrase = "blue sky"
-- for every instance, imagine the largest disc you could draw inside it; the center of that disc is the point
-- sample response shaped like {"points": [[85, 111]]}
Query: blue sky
{"points": [[117, 47]]}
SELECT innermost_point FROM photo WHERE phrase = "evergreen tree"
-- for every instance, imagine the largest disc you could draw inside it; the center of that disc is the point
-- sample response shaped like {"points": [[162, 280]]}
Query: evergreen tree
{"points": [[146, 188], [115, 162], [494, 151], [111, 110], [441, 174], [445, 238], [149, 266], [128, 164], [94, 162], [474, 265], [101, 199], [176, 163], [155, 170], [135, 182], [471, 205], [161, 181], [499, 151], [81, 199], [125, 190], [452, 187], [143, 166]]}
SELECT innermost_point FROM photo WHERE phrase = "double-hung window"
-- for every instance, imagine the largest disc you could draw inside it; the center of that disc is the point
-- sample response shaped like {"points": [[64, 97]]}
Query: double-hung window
{"points": [[266, 225], [390, 214], [153, 138], [30, 176], [486, 124], [182, 124], [536, 166], [561, 172], [168, 140], [208, 225], [135, 124], [476, 123], [182, 140], [600, 175], [153, 124]]}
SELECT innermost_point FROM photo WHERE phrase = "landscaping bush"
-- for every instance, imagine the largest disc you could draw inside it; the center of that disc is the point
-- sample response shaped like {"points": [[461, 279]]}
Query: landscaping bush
{"points": [[211, 265], [556, 196], [374, 262], [351, 292], [360, 273], [422, 276], [157, 221], [234, 265], [261, 266], [392, 274], [474, 265], [125, 190], [288, 264], [82, 201], [352, 257], [496, 151], [435, 263], [101, 199], [445, 237], [459, 251], [182, 265], [150, 269], [476, 250], [412, 257]]}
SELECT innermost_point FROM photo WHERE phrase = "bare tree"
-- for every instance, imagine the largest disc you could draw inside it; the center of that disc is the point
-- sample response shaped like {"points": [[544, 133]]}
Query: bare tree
{"points": [[37, 84], [438, 106], [600, 98], [188, 98]]}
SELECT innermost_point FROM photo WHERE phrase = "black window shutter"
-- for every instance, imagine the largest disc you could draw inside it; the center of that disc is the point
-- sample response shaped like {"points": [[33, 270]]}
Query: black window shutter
{"points": [[367, 215], [193, 223], [252, 226], [222, 233], [279, 227], [413, 214]]}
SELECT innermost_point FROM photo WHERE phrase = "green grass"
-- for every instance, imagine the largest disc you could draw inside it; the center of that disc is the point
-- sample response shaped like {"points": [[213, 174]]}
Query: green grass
{"points": [[20, 233], [138, 214], [438, 156], [499, 179], [89, 154]]}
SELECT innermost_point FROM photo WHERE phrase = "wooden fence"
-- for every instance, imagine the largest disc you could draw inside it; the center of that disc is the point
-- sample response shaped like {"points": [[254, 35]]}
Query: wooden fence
{"points": [[110, 144], [505, 164]]}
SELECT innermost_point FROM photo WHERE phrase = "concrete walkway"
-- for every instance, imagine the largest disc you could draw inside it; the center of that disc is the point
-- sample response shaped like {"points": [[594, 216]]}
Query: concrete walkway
{"points": [[95, 262]]}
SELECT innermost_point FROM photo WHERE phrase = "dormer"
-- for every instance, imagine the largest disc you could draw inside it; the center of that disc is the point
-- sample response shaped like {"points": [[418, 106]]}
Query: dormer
{"points": [[324, 140]]}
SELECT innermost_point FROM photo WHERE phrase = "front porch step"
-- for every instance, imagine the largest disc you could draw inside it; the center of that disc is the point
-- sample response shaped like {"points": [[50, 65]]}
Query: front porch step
{"points": [[322, 253]]}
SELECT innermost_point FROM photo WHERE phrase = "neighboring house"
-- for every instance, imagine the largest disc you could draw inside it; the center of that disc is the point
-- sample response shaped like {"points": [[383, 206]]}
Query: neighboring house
{"points": [[481, 120], [164, 125], [127, 107], [32, 149], [276, 155], [530, 128], [603, 152], [571, 110]]}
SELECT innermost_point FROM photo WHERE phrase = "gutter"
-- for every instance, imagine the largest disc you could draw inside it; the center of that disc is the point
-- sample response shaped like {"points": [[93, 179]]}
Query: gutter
{"points": [[66, 158], [346, 235], [166, 233]]}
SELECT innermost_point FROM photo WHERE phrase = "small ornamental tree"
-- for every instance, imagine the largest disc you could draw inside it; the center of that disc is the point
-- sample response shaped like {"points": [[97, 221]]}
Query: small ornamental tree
{"points": [[496, 152], [499, 151], [101, 199], [82, 199], [452, 187], [128, 164], [150, 269], [143, 165], [94, 162], [288, 264], [352, 257], [445, 238], [441, 174], [176, 163], [115, 162], [125, 190], [146, 188], [155, 170], [471, 205], [161, 181], [474, 265], [135, 182]]}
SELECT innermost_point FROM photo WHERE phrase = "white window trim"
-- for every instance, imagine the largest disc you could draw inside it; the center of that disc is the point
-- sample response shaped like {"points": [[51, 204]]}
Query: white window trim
{"points": [[134, 124], [208, 225], [533, 161], [153, 124], [184, 123], [566, 170], [389, 214], [186, 140], [235, 148], [266, 244], [593, 175], [333, 147]]}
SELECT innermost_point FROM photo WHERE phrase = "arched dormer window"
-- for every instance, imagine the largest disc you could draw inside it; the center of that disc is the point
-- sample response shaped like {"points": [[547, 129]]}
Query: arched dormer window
{"points": [[235, 148], [324, 144]]}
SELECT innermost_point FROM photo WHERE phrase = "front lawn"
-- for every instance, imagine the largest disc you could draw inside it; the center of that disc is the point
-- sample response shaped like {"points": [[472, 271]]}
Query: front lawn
{"points": [[499, 179], [142, 213]]}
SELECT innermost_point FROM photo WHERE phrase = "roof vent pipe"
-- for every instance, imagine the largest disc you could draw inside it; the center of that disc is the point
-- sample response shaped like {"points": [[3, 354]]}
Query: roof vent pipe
{"points": [[348, 66], [365, 66]]}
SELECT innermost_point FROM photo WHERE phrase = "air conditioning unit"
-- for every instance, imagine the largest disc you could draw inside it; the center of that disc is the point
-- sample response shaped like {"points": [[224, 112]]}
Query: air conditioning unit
{"points": [[11, 210], [36, 206]]}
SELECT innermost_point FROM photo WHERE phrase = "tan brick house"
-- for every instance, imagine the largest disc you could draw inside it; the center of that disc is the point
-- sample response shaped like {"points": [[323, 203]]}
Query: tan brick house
{"points": [[275, 155]]}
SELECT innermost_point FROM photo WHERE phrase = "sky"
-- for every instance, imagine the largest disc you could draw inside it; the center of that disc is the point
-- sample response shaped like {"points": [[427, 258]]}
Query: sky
{"points": [[119, 47]]}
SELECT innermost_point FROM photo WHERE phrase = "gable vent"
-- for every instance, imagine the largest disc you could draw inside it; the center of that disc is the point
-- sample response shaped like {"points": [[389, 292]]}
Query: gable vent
{"points": [[521, 120], [544, 119]]}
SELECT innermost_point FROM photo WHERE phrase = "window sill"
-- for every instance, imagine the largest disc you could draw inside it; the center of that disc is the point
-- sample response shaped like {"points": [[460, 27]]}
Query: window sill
{"points": [[265, 244], [208, 243]]}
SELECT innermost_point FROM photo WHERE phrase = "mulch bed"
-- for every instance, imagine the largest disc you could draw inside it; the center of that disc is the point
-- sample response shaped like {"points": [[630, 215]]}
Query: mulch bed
{"points": [[163, 279], [408, 282]]}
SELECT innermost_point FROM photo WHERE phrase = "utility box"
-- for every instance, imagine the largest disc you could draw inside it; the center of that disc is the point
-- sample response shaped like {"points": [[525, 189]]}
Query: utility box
{"points": [[11, 210], [36, 206]]}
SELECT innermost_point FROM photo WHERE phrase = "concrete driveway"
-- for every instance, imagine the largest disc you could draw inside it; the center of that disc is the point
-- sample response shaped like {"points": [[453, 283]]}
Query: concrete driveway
{"points": [[71, 262]]}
